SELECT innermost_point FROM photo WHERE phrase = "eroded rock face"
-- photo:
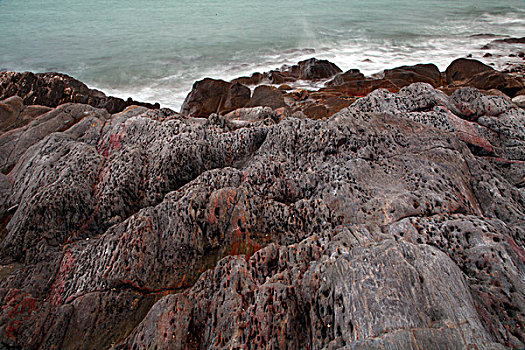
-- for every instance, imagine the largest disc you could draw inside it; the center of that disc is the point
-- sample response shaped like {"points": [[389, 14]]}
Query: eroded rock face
{"points": [[397, 223], [54, 89]]}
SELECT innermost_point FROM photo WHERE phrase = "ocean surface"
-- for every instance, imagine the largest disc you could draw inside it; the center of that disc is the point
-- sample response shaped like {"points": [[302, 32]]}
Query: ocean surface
{"points": [[153, 51]]}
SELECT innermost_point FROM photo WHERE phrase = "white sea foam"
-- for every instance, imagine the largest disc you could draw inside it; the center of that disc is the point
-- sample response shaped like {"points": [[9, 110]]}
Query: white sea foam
{"points": [[154, 51]]}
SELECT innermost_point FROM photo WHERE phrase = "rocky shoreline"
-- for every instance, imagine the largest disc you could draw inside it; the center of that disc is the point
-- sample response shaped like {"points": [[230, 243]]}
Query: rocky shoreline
{"points": [[375, 212]]}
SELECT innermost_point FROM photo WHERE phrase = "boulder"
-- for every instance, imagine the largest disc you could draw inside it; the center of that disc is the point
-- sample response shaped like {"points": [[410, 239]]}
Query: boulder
{"points": [[314, 69], [362, 87], [54, 89], [269, 96], [238, 96], [10, 109], [350, 75], [207, 96], [214, 96], [463, 69], [254, 79], [406, 75], [316, 111], [493, 79]]}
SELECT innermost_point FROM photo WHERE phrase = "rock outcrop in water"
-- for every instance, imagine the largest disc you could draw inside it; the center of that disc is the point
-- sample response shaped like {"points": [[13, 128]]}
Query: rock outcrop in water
{"points": [[210, 96], [54, 89], [397, 223]]}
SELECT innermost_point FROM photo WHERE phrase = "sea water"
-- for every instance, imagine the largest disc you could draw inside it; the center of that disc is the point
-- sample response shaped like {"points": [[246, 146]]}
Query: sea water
{"points": [[154, 50]]}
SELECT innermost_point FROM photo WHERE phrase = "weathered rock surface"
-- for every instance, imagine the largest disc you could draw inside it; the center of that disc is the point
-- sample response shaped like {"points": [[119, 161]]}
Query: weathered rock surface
{"points": [[54, 89], [397, 223]]}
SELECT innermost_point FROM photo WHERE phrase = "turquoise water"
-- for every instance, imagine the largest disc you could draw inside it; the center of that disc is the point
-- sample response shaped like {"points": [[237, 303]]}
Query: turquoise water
{"points": [[154, 50]]}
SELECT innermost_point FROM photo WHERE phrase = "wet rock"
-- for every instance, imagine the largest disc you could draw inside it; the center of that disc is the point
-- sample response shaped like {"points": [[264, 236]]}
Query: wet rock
{"points": [[314, 69], [463, 69], [207, 96], [362, 87], [316, 111], [214, 96], [254, 79], [269, 96], [420, 73], [9, 111], [350, 75], [511, 40], [496, 80], [54, 89], [238, 96]]}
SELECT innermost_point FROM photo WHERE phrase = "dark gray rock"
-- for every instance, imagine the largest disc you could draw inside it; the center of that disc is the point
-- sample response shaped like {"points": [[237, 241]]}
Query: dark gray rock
{"points": [[53, 89], [382, 227]]}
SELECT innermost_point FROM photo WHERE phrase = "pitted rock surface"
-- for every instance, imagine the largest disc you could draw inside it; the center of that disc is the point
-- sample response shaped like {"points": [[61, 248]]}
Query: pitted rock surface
{"points": [[394, 224]]}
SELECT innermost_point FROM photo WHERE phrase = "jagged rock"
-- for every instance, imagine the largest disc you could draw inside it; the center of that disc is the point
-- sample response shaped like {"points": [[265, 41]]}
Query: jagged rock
{"points": [[340, 230], [321, 294], [54, 89], [269, 96]]}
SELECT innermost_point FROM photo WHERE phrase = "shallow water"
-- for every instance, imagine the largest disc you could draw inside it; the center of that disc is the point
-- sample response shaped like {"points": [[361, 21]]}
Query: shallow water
{"points": [[153, 51]]}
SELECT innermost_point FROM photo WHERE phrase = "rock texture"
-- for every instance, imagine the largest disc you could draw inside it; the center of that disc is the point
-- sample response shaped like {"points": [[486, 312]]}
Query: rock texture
{"points": [[397, 223], [54, 89]]}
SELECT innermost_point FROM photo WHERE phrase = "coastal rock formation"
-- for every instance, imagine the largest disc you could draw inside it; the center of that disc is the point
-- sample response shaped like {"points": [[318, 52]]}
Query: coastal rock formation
{"points": [[464, 68], [396, 223], [54, 89], [215, 96]]}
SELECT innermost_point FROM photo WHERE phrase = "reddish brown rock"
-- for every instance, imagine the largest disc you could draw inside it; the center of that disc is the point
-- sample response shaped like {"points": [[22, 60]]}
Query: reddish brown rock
{"points": [[420, 73], [265, 95], [492, 79], [350, 75], [314, 69], [214, 96], [316, 111], [362, 87], [207, 96], [463, 69], [238, 96], [254, 79], [54, 89]]}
